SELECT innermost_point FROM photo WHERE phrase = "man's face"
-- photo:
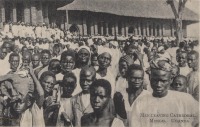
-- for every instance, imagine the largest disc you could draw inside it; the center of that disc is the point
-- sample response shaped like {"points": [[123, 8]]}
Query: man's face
{"points": [[55, 67], [94, 61], [8, 47], [160, 82], [14, 62], [135, 79], [179, 84], [3, 53], [188, 48], [56, 50], [67, 64], [104, 60], [69, 85], [24, 49], [182, 59], [19, 107], [84, 55], [35, 61], [98, 99], [123, 67], [26, 59], [45, 58], [48, 83], [131, 51], [154, 49], [16, 50], [192, 61], [86, 79]]}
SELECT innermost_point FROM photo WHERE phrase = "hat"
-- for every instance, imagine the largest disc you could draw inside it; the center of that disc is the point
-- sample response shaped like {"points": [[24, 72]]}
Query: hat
{"points": [[161, 65], [127, 59], [84, 47]]}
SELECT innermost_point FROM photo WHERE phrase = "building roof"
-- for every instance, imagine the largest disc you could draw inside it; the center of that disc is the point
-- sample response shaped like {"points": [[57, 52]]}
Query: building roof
{"points": [[134, 8]]}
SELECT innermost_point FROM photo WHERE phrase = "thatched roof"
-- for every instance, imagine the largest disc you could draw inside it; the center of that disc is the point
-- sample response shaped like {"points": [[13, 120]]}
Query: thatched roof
{"points": [[134, 8]]}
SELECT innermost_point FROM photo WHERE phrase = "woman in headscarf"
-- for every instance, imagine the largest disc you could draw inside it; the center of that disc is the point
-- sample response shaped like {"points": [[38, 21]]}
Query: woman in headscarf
{"points": [[83, 57], [104, 71]]}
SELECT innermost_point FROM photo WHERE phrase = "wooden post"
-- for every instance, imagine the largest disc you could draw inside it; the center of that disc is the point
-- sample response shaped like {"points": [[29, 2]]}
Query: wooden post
{"points": [[40, 14], [33, 13], [126, 29], [2, 18], [92, 28], [27, 12], [107, 29], [14, 12], [84, 26]]}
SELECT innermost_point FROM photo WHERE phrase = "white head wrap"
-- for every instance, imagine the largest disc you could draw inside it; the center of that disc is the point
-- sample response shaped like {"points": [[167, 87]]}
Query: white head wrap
{"points": [[84, 47]]}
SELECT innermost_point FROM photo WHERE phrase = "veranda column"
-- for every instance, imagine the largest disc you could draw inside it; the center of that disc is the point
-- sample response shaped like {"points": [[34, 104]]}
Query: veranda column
{"points": [[147, 27], [113, 29], [92, 28], [95, 28], [27, 11], [33, 13], [126, 29], [139, 28], [123, 29], [116, 28], [160, 29], [84, 26], [14, 12], [39, 13], [107, 29], [101, 28], [144, 29], [155, 27], [135, 28], [67, 20], [46, 13], [2, 10]]}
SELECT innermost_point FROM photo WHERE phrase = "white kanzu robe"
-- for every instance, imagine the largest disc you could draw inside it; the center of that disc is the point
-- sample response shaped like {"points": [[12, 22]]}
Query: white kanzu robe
{"points": [[176, 109]]}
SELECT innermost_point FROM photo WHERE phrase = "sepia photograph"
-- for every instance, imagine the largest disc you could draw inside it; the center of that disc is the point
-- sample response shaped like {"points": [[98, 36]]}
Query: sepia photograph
{"points": [[99, 63]]}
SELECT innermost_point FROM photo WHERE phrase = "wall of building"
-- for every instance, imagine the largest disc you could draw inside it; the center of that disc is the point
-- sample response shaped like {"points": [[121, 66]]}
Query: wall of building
{"points": [[31, 11], [90, 23]]}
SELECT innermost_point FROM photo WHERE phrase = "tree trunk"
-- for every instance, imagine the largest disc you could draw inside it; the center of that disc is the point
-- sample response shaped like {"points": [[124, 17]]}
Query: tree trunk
{"points": [[179, 30]]}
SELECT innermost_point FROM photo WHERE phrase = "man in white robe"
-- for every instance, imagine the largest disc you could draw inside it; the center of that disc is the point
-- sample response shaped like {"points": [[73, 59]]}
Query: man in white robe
{"points": [[164, 108]]}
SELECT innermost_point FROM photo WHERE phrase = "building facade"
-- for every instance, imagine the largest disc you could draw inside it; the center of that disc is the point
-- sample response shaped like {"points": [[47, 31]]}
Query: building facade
{"points": [[32, 11], [92, 23]]}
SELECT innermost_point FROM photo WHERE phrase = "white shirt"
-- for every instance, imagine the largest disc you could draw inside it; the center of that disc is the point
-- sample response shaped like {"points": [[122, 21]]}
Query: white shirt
{"points": [[149, 108], [185, 70]]}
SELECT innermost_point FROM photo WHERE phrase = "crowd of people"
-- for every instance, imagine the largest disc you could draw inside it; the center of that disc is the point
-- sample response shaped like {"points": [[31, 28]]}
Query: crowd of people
{"points": [[51, 77]]}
